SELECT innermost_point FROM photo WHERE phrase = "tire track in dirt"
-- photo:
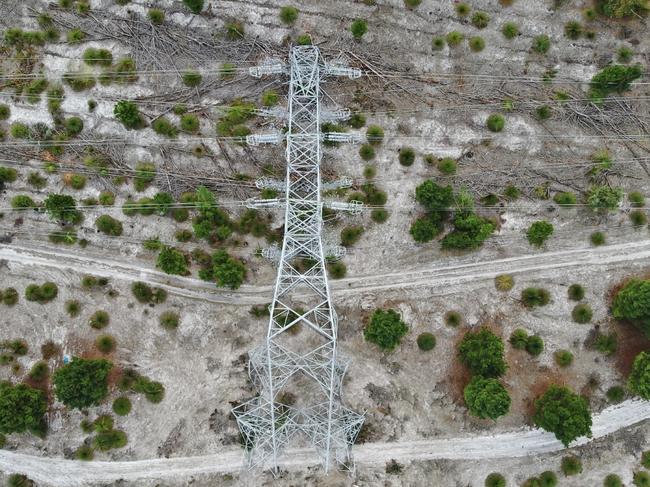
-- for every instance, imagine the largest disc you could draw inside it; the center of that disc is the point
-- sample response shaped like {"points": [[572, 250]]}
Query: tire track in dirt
{"points": [[520, 443]]}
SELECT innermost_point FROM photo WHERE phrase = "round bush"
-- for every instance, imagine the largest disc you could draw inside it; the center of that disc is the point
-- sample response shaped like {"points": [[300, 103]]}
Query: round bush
{"points": [[539, 232], [534, 345], [638, 218], [85, 453], [510, 30], [189, 123], [597, 238], [612, 480], [426, 341], [412, 3], [504, 282], [534, 296], [99, 320], [379, 215], [374, 134], [462, 9], [576, 292], [616, 394], [39, 371], [645, 459], [447, 166], [73, 308], [641, 479], [482, 352], [73, 126], [406, 156], [573, 30], [351, 235], [453, 318], [358, 28], [288, 14], [480, 20], [454, 38], [5, 111], [495, 480], [496, 122], [541, 44], [10, 296], [636, 199], [476, 43], [109, 225], [581, 313], [122, 406], [565, 198], [169, 320], [108, 440], [563, 412], [105, 343], [563, 358], [82, 382], [156, 16], [425, 228], [337, 270], [438, 43], [547, 479], [519, 339], [367, 152]]}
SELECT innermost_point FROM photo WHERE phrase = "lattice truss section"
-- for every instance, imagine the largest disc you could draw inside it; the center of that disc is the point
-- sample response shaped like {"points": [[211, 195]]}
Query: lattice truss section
{"points": [[301, 297]]}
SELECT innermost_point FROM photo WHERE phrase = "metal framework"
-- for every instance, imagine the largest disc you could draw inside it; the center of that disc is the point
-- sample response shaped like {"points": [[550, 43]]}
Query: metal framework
{"points": [[301, 297]]}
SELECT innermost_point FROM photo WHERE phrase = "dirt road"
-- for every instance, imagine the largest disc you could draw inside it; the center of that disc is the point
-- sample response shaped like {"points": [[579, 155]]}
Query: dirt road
{"points": [[68, 473], [439, 276]]}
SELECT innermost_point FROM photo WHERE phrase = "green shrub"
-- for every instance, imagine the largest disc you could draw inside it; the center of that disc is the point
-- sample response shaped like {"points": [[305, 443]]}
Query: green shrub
{"points": [[234, 31], [43, 294], [534, 296], [374, 134], [453, 318], [145, 173], [105, 343], [367, 152], [122, 406], [438, 43], [5, 111], [510, 30], [597, 238], [227, 271], [632, 302], [73, 308], [84, 453], [406, 156], [482, 352], [153, 391], [103, 423], [606, 343], [303, 40], [476, 43], [636, 199], [99, 57], [172, 261], [385, 329], [351, 235], [496, 122], [426, 341], [8, 175], [541, 44], [22, 201], [573, 30], [563, 358], [18, 347], [565, 198], [39, 371], [615, 394], [571, 465], [10, 296], [547, 479], [379, 215], [108, 440], [543, 112], [109, 225], [539, 232], [486, 398], [19, 480], [288, 15], [639, 379], [82, 382], [192, 78], [561, 411], [22, 408], [162, 126], [534, 345], [576, 292], [36, 180], [645, 459], [454, 38], [495, 480], [638, 218], [504, 282], [462, 9], [75, 36], [641, 479], [99, 319], [195, 6], [412, 3], [337, 270], [480, 20], [169, 320], [19, 130], [156, 16], [519, 339], [447, 166], [581, 313], [624, 54], [614, 78]]}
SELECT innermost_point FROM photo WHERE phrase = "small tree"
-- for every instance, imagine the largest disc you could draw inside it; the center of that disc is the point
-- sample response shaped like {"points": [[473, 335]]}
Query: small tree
{"points": [[434, 197], [62, 207], [228, 271], [288, 15], [358, 28], [21, 408], [639, 380], [172, 261], [539, 232], [385, 329], [615, 78], [425, 229], [82, 382], [482, 353], [127, 112], [561, 411], [632, 302], [486, 398]]}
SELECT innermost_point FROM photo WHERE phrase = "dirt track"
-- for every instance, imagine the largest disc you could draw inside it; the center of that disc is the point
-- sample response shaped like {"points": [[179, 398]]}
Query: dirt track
{"points": [[68, 473], [438, 276]]}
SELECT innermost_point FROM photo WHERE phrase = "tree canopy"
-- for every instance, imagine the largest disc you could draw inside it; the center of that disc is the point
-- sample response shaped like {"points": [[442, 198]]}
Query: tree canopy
{"points": [[62, 207], [82, 382], [434, 197], [563, 412], [632, 302], [172, 261], [21, 408], [482, 352], [385, 329]]}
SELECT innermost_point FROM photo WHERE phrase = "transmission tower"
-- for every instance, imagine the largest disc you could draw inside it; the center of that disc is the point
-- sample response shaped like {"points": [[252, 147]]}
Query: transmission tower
{"points": [[301, 297]]}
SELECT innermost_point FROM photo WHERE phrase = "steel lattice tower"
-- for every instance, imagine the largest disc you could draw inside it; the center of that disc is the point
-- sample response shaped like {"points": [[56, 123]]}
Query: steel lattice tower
{"points": [[301, 297]]}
